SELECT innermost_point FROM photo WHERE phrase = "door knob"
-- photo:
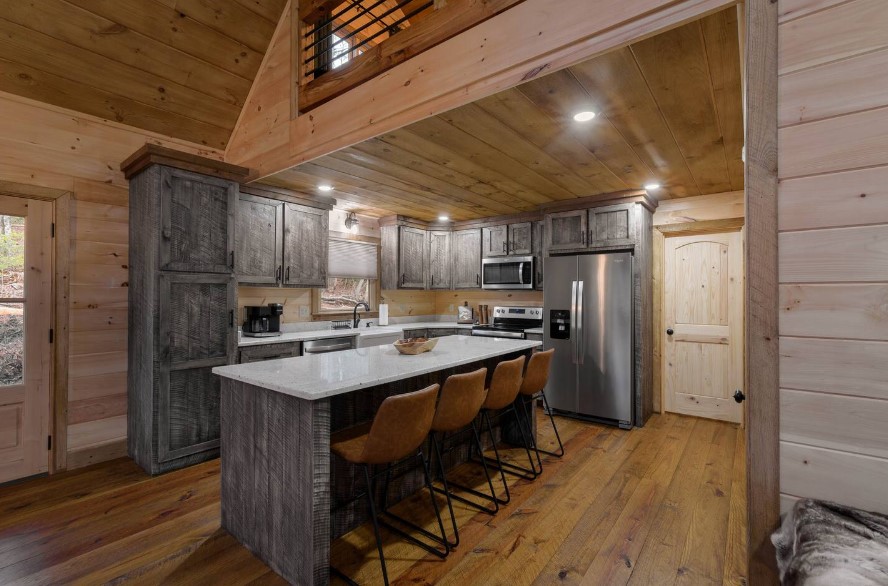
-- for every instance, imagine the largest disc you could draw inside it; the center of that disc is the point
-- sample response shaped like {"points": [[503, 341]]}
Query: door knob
{"points": [[739, 396], [669, 331]]}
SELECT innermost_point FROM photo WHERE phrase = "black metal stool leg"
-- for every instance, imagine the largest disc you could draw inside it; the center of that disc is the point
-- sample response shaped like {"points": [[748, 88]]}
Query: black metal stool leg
{"points": [[446, 490], [440, 539], [528, 411], [489, 497], [513, 469], [499, 462], [560, 451], [375, 522]]}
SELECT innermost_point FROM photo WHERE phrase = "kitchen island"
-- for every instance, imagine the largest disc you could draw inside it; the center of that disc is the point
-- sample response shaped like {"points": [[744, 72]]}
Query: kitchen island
{"points": [[279, 481]]}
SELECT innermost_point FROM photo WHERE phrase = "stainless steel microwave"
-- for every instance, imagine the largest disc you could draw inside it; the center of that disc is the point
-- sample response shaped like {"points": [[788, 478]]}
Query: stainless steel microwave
{"points": [[507, 272]]}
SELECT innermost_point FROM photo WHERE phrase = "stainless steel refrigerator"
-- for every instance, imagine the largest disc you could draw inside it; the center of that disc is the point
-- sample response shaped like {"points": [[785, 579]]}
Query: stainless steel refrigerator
{"points": [[588, 321]]}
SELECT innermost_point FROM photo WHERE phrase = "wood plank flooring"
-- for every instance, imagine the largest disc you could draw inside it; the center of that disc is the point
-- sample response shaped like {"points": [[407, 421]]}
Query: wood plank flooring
{"points": [[664, 504]]}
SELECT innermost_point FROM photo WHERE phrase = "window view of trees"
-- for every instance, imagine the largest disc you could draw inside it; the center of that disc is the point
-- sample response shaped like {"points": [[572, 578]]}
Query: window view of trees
{"points": [[341, 294], [12, 291]]}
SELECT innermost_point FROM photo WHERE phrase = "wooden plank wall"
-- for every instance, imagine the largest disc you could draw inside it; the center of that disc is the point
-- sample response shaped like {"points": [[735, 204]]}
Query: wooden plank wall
{"points": [[833, 242], [49, 147]]}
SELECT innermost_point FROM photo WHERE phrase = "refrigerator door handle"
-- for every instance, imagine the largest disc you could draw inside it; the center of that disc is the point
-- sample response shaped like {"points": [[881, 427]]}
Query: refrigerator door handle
{"points": [[581, 344], [573, 321]]}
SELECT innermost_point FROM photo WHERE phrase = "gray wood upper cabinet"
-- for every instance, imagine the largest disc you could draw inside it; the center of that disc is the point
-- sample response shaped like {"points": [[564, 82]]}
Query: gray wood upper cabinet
{"points": [[412, 258], [520, 239], [507, 240], [538, 252], [440, 265], [258, 258], [196, 222], [611, 225], [466, 247], [566, 230], [306, 243], [495, 241]]}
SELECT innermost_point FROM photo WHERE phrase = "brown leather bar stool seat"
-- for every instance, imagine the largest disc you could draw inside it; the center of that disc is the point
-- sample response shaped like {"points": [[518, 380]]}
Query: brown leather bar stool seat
{"points": [[500, 401], [536, 375], [396, 433], [458, 406]]}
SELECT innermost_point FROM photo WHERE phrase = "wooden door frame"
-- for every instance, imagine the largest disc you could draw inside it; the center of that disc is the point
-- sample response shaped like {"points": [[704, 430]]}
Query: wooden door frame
{"points": [[58, 422], [662, 232], [31, 194]]}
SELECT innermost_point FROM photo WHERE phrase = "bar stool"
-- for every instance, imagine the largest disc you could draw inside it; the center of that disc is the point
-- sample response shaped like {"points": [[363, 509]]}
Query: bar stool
{"points": [[504, 387], [534, 384], [397, 433], [458, 407]]}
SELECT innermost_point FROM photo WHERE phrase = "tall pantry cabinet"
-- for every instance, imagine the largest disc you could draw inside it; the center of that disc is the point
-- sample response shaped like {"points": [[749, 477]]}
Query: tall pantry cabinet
{"points": [[182, 303]]}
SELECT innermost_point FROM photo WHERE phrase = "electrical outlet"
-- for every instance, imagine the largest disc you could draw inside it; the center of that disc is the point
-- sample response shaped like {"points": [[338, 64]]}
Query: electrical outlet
{"points": [[303, 311]]}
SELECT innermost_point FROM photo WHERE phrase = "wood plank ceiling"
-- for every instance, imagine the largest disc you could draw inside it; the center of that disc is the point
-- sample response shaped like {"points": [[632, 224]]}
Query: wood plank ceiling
{"points": [[668, 111], [178, 67]]}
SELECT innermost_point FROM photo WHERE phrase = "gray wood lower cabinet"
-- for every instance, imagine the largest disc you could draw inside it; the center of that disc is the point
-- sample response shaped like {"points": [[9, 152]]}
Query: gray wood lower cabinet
{"points": [[269, 352], [182, 304]]}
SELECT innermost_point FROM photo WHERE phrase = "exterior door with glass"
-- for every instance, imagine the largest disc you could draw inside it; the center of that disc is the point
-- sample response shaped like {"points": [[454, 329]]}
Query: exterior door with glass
{"points": [[25, 348]]}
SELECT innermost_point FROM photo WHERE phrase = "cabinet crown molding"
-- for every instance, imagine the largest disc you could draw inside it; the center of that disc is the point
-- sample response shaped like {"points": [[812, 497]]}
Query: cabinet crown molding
{"points": [[152, 154]]}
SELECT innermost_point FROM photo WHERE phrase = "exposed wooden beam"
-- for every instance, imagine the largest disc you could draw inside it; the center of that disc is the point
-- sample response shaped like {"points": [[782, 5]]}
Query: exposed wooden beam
{"points": [[762, 291], [497, 54]]}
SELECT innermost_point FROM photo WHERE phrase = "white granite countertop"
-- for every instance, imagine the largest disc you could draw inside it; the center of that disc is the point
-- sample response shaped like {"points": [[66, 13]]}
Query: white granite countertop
{"points": [[352, 332], [324, 375]]}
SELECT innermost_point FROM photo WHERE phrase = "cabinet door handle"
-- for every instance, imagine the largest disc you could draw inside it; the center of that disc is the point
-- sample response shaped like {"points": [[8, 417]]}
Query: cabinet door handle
{"points": [[433, 280], [277, 273], [403, 278], [231, 318], [478, 279], [287, 279], [504, 246], [232, 259], [583, 238]]}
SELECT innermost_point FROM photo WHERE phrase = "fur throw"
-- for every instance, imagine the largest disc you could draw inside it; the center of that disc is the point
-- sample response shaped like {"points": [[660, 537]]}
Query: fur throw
{"points": [[825, 544]]}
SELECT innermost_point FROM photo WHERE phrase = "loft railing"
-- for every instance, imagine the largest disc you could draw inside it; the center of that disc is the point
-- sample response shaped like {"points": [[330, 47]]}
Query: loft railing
{"points": [[343, 43]]}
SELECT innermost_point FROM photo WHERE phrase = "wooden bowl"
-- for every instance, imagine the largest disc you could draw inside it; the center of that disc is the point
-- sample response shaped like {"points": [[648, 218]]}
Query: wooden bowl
{"points": [[413, 346]]}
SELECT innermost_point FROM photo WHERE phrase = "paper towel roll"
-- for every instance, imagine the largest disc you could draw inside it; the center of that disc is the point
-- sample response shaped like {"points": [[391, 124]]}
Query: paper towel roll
{"points": [[383, 314]]}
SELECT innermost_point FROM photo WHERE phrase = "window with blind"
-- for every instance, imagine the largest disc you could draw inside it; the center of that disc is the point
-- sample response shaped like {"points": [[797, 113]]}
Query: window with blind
{"points": [[351, 276]]}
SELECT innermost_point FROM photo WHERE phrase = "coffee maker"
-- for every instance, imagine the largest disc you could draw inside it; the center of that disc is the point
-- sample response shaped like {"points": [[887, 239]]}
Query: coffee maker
{"points": [[262, 321]]}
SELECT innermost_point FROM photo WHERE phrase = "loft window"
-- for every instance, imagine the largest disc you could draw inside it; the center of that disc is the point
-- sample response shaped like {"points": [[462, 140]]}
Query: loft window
{"points": [[339, 51]]}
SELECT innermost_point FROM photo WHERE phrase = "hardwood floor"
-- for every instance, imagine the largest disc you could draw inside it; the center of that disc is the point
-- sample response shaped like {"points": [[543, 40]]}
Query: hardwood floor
{"points": [[660, 505]]}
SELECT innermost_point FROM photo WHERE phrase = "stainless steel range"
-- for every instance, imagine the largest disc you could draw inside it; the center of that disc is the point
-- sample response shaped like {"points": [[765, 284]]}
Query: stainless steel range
{"points": [[510, 322]]}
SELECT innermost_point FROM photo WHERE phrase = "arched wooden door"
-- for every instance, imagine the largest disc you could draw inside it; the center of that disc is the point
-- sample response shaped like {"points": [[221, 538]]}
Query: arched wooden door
{"points": [[703, 329]]}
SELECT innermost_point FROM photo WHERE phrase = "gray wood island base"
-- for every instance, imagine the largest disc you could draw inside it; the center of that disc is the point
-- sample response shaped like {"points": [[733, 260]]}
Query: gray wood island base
{"points": [[279, 479]]}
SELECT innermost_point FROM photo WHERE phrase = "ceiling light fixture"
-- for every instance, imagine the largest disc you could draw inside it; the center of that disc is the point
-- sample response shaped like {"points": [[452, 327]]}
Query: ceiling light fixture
{"points": [[351, 222], [584, 116], [325, 187], [651, 186], [443, 218]]}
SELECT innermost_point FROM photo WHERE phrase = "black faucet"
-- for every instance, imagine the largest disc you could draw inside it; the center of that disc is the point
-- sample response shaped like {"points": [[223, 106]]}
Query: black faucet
{"points": [[355, 319]]}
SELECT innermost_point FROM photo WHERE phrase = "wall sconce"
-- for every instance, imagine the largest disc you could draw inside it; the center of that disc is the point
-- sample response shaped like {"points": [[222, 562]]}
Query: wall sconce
{"points": [[351, 222]]}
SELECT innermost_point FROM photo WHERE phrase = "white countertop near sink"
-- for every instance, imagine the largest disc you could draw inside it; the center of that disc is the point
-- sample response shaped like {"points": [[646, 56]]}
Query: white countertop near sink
{"points": [[372, 331], [323, 375]]}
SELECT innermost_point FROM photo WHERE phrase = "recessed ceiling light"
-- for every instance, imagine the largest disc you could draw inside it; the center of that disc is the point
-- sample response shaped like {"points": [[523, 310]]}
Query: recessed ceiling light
{"points": [[651, 186], [325, 187], [584, 116], [443, 218]]}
